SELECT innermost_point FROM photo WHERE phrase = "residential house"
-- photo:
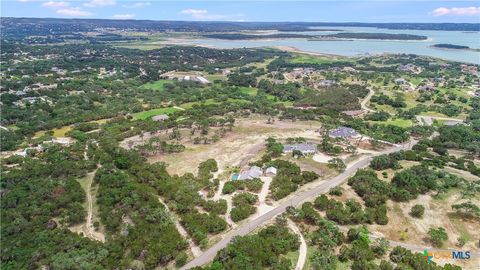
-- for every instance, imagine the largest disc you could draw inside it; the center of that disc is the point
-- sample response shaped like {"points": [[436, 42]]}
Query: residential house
{"points": [[304, 148], [426, 88], [160, 118], [343, 132], [400, 81], [326, 83], [251, 173]]}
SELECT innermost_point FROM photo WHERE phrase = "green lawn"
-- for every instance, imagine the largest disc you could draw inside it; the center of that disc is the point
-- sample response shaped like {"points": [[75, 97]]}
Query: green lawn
{"points": [[158, 85], [314, 59], [153, 112], [405, 123], [189, 105], [252, 91]]}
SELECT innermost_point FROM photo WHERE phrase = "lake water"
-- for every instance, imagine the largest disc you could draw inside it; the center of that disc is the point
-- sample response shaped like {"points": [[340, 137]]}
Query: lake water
{"points": [[365, 47]]}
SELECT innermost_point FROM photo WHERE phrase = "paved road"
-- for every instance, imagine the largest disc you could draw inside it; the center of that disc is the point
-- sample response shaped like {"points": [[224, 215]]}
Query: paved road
{"points": [[209, 254], [428, 120]]}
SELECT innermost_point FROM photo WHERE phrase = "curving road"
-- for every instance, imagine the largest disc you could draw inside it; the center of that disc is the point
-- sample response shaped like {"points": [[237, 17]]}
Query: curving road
{"points": [[246, 228]]}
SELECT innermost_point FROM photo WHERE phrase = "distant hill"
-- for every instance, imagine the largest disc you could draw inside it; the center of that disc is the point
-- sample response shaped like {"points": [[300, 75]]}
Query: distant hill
{"points": [[22, 27], [383, 36]]}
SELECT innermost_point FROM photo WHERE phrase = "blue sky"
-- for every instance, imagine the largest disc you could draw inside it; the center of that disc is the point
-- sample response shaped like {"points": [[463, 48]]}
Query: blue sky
{"points": [[315, 11]]}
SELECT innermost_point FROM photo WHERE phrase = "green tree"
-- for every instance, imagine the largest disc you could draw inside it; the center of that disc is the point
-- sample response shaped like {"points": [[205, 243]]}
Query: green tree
{"points": [[437, 236]]}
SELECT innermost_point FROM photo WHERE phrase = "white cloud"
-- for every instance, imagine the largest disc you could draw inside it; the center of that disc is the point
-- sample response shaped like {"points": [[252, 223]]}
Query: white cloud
{"points": [[202, 14], [100, 3], [137, 5], [123, 16], [465, 11], [74, 12], [55, 4]]}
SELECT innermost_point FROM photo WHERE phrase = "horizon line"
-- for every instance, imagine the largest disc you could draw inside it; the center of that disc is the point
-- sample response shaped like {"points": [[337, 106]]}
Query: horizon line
{"points": [[236, 21]]}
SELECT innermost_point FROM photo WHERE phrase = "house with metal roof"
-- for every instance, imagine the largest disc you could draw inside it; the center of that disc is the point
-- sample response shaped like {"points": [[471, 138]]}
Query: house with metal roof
{"points": [[271, 171], [305, 148], [251, 173]]}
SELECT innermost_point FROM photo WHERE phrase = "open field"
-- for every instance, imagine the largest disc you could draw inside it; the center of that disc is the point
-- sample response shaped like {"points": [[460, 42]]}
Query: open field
{"points": [[243, 144], [157, 85], [405, 123], [57, 132], [316, 59], [153, 112]]}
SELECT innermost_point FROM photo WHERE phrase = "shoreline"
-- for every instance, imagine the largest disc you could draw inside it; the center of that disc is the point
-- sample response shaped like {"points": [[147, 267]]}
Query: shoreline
{"points": [[294, 49]]}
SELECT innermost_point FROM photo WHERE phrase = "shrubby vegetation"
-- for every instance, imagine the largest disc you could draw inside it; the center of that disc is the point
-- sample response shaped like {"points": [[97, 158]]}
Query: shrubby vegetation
{"points": [[243, 206], [258, 251], [253, 185], [289, 177]]}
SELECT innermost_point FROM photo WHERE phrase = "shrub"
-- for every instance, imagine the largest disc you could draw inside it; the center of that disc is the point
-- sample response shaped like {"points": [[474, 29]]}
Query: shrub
{"points": [[437, 236], [417, 211], [336, 191]]}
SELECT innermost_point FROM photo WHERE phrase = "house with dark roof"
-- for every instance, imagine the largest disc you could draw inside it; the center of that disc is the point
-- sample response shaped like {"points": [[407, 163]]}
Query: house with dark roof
{"points": [[305, 148]]}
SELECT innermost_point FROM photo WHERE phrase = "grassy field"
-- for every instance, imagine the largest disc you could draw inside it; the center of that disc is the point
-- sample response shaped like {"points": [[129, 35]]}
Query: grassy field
{"points": [[158, 85], [57, 132], [153, 112], [189, 105], [252, 91], [314, 59], [405, 123]]}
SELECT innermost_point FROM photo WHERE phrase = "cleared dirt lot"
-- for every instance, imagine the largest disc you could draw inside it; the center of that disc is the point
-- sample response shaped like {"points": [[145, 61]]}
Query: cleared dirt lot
{"points": [[238, 147], [438, 213]]}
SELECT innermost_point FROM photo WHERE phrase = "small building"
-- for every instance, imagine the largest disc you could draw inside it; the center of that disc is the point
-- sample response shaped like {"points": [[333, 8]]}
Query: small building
{"points": [[202, 80], [349, 69], [160, 118], [325, 83], [225, 72], [271, 171], [304, 148], [452, 122], [251, 173], [426, 88], [343, 132], [400, 81]]}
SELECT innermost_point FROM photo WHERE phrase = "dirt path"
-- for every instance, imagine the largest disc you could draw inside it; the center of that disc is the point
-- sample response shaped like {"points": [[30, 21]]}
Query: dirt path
{"points": [[262, 196], [302, 256], [193, 247], [90, 229], [87, 228], [228, 219], [364, 102], [218, 194]]}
